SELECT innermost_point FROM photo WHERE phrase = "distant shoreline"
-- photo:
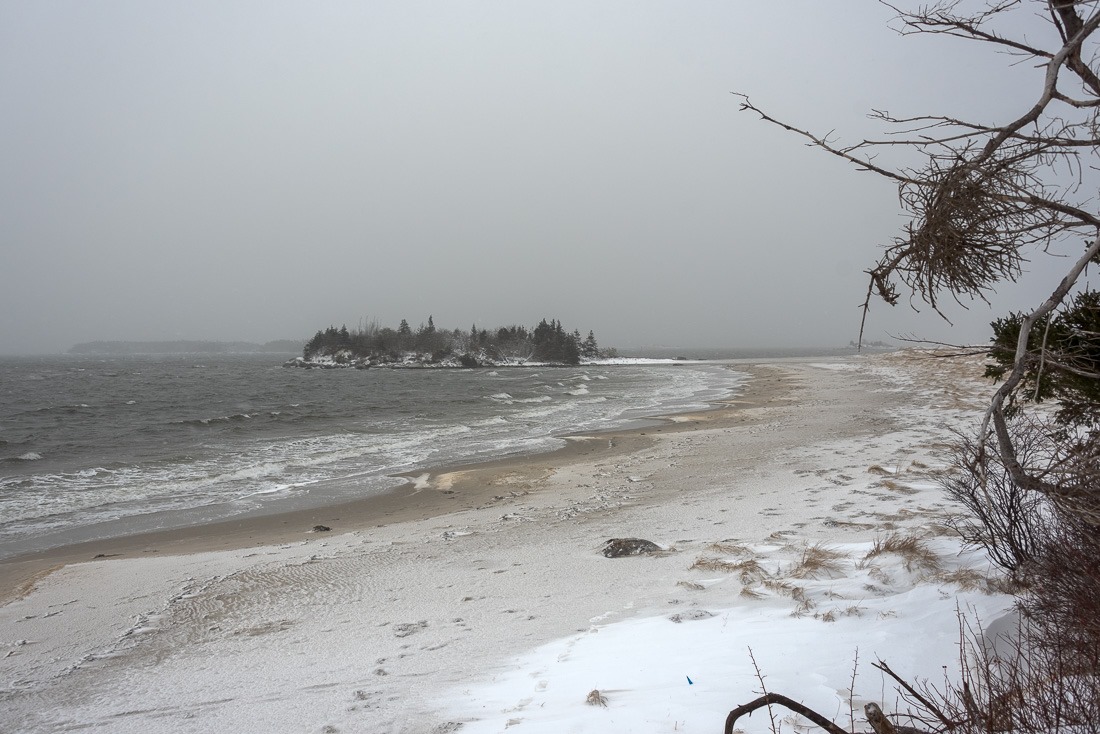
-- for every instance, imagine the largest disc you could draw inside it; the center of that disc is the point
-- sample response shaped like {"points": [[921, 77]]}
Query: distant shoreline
{"points": [[184, 346]]}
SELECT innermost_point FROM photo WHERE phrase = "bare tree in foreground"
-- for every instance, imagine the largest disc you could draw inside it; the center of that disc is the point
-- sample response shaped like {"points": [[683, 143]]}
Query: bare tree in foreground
{"points": [[986, 196]]}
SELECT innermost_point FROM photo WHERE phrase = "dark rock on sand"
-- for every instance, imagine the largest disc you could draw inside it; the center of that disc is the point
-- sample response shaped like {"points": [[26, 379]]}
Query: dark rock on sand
{"points": [[619, 547]]}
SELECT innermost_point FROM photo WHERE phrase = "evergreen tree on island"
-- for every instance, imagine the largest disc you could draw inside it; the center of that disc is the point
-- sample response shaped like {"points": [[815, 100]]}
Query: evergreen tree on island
{"points": [[548, 342]]}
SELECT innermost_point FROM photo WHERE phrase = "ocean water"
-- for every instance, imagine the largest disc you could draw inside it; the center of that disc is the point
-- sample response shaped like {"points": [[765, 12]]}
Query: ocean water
{"points": [[94, 447]]}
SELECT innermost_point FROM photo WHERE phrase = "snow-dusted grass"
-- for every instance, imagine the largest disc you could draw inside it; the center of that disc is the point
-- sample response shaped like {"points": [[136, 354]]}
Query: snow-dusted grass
{"points": [[810, 611]]}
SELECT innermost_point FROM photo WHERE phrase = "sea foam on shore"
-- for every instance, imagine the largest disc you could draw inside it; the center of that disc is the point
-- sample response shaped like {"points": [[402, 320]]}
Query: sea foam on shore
{"points": [[96, 448]]}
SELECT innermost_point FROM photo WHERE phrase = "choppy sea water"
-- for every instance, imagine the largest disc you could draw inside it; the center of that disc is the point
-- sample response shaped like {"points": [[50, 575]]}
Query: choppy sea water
{"points": [[96, 447]]}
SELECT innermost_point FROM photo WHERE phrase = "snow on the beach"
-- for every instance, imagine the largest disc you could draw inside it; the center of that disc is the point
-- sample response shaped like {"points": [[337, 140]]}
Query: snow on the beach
{"points": [[682, 671], [750, 610], [808, 528]]}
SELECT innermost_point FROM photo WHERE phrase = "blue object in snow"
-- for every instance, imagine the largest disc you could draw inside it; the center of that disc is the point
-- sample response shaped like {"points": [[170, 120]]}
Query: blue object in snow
{"points": [[690, 681]]}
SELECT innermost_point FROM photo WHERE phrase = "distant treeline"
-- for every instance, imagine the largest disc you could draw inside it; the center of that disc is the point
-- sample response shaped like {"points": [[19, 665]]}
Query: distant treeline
{"points": [[547, 342], [284, 346]]}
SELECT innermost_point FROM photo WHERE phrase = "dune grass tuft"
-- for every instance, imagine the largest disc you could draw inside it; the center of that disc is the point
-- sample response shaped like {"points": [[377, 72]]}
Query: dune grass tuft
{"points": [[749, 571], [727, 548], [713, 564], [817, 560], [915, 552]]}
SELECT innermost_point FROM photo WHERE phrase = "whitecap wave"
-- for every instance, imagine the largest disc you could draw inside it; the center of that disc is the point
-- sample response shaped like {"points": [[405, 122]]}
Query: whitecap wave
{"points": [[265, 456], [219, 419], [497, 420]]}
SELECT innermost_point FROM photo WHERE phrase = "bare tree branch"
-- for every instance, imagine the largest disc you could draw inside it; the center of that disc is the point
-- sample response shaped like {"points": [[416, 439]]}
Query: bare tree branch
{"points": [[775, 698], [984, 198], [819, 142], [928, 705], [939, 20]]}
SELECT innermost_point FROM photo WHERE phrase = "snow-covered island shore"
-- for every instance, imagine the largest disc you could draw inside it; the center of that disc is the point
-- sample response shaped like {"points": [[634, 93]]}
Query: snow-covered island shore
{"points": [[547, 344], [477, 599], [345, 359]]}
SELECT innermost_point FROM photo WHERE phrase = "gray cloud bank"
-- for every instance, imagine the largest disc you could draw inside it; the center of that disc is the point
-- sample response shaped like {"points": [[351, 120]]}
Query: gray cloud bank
{"points": [[257, 170]]}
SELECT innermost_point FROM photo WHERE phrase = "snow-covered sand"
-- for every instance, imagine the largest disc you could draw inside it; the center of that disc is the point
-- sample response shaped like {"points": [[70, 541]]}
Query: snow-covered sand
{"points": [[498, 611]]}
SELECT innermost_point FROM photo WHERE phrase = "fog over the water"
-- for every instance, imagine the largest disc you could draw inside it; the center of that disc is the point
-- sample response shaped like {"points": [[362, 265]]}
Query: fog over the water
{"points": [[258, 170]]}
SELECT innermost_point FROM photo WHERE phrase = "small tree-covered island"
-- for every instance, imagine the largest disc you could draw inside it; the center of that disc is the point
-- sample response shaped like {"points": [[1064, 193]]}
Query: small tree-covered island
{"points": [[428, 346]]}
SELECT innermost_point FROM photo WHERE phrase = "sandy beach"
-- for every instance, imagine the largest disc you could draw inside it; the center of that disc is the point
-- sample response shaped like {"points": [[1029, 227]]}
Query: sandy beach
{"points": [[405, 614]]}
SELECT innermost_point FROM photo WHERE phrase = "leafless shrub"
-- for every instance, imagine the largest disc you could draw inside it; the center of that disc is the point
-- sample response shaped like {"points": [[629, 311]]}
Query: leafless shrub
{"points": [[1062, 598], [1008, 684], [1003, 585], [1041, 523], [1001, 517], [1005, 684]]}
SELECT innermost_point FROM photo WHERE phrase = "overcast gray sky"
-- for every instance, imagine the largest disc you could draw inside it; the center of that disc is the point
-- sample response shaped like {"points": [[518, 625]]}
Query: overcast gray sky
{"points": [[259, 170]]}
